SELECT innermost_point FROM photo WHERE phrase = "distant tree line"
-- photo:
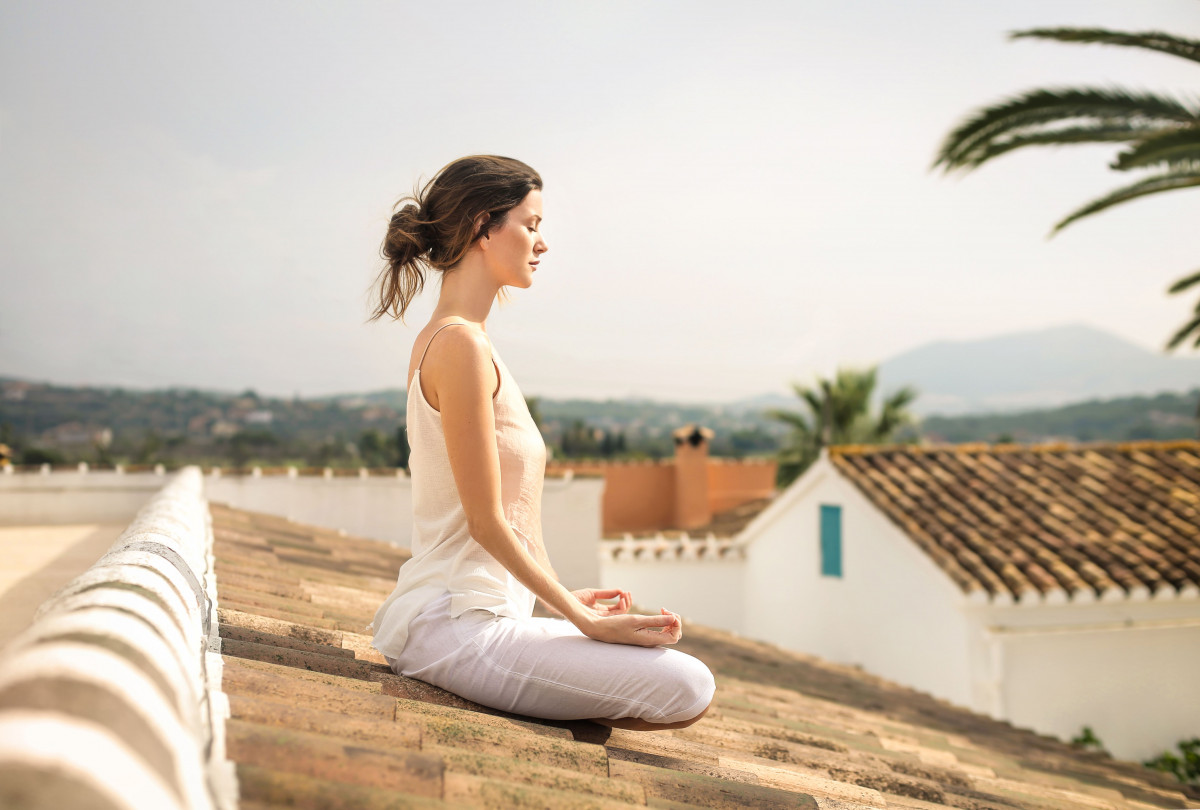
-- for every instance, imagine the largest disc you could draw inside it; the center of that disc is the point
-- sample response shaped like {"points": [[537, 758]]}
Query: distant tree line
{"points": [[833, 411]]}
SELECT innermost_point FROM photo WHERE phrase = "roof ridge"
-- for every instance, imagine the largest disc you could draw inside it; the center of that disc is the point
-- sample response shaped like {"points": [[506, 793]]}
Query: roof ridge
{"points": [[1014, 447]]}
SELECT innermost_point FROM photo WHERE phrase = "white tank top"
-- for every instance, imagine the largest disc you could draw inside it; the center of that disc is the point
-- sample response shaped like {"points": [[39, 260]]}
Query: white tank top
{"points": [[446, 559]]}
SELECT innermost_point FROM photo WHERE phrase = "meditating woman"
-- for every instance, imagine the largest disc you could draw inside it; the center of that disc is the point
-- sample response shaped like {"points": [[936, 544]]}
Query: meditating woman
{"points": [[461, 615]]}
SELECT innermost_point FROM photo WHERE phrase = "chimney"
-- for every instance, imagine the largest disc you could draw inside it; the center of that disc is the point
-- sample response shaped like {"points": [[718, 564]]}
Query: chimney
{"points": [[692, 507]]}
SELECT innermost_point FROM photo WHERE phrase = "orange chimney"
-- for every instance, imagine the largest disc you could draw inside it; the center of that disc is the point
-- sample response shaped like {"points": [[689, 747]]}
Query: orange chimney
{"points": [[692, 507]]}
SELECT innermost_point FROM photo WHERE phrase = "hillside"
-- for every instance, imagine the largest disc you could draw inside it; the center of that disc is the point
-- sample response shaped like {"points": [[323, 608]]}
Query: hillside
{"points": [[1036, 369]]}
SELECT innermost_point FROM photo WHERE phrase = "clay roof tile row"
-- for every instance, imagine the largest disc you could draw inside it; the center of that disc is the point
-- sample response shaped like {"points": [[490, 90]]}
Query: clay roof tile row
{"points": [[1014, 520]]}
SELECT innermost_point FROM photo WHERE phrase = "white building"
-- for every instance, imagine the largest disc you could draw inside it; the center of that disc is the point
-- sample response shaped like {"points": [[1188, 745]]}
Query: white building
{"points": [[1054, 586]]}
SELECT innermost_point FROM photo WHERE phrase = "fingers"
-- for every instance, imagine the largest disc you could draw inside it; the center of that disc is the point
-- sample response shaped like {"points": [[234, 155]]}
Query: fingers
{"points": [[642, 630], [673, 629], [648, 622], [656, 631], [591, 597]]}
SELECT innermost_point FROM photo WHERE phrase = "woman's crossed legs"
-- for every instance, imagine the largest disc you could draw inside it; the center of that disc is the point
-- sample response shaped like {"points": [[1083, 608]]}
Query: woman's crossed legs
{"points": [[547, 668]]}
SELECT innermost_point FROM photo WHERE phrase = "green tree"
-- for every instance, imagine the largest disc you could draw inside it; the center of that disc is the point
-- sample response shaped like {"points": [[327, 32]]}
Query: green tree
{"points": [[403, 450], [244, 444], [150, 447], [39, 455], [374, 448], [579, 440], [535, 409], [838, 413], [1161, 133]]}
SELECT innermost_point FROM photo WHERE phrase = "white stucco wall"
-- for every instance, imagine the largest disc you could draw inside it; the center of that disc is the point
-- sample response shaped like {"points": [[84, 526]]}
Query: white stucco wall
{"points": [[708, 592], [572, 523], [892, 611], [381, 507], [378, 507], [1128, 669], [68, 497]]}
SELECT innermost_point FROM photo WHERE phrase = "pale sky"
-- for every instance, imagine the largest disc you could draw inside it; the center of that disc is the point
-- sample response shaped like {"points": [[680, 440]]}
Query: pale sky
{"points": [[737, 195]]}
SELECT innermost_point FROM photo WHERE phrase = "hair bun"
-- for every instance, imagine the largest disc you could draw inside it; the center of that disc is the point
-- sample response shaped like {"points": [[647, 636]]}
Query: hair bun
{"points": [[409, 222]]}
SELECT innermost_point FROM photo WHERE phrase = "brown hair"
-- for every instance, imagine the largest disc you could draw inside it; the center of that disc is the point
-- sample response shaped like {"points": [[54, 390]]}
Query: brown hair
{"points": [[435, 225]]}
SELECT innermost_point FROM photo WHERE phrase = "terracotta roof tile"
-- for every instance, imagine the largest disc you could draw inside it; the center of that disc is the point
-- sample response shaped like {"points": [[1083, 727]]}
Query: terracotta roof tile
{"points": [[318, 720], [1007, 519]]}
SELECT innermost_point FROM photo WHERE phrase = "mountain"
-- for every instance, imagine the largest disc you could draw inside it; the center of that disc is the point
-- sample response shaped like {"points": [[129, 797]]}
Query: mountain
{"points": [[1036, 369]]}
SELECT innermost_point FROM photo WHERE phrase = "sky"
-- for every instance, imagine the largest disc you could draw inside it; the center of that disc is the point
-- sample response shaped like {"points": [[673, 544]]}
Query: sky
{"points": [[737, 196]]}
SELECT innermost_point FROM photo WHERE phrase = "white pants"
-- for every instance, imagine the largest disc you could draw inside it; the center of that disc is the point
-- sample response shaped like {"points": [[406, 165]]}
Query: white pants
{"points": [[547, 668]]}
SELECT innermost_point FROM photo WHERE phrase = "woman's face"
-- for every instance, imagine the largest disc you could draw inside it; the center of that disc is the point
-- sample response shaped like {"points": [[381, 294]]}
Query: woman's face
{"points": [[514, 248]]}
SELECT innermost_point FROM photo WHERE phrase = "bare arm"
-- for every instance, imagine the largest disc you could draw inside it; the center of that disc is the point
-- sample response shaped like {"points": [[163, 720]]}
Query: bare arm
{"points": [[458, 366]]}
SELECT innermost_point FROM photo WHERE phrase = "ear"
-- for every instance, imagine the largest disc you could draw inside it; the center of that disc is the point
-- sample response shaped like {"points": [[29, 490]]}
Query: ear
{"points": [[480, 221]]}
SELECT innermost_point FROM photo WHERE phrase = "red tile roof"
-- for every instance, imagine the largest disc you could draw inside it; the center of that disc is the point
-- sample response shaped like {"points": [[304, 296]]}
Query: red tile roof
{"points": [[1101, 520], [319, 721]]}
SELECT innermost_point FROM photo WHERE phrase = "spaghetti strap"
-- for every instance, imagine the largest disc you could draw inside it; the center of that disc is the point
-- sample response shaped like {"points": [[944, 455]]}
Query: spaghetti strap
{"points": [[431, 337]]}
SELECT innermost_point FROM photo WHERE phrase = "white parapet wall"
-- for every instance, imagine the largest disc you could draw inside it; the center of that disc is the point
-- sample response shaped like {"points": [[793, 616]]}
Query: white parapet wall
{"points": [[80, 495], [380, 507], [377, 506], [111, 698]]}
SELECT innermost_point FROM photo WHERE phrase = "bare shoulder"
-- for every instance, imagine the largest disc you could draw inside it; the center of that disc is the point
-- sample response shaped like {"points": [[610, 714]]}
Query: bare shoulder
{"points": [[458, 361], [460, 345]]}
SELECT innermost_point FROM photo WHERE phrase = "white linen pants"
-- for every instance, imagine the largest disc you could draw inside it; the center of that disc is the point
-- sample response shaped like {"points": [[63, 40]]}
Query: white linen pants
{"points": [[547, 668]]}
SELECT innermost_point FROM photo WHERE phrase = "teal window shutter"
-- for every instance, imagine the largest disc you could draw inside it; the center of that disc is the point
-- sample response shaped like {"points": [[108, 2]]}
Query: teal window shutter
{"points": [[831, 540]]}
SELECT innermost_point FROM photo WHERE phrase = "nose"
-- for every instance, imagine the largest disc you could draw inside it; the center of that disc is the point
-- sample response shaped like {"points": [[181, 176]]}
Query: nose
{"points": [[541, 246]]}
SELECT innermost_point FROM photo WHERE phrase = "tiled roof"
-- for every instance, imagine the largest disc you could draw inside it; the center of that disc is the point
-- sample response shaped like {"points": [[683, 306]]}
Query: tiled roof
{"points": [[318, 721], [730, 522], [1102, 520]]}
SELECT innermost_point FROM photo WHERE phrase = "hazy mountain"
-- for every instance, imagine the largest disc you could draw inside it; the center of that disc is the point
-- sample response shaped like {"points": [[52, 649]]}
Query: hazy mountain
{"points": [[1024, 370]]}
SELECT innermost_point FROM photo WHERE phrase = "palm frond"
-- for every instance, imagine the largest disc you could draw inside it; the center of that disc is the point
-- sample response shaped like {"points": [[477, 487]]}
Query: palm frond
{"points": [[810, 398], [894, 413], [1173, 147], [1150, 40], [796, 421], [1149, 185], [1103, 107], [1191, 326], [852, 390], [1185, 282], [1102, 133]]}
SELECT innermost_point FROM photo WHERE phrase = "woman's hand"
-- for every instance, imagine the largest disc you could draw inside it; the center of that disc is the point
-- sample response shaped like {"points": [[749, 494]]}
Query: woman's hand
{"points": [[636, 629], [590, 599]]}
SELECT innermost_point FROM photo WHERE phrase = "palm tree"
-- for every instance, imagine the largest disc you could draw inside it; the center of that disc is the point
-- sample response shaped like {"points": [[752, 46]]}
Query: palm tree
{"points": [[838, 414], [1161, 133]]}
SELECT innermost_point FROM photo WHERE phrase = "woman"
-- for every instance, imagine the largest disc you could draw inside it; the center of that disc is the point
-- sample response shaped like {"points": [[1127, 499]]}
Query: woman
{"points": [[460, 616]]}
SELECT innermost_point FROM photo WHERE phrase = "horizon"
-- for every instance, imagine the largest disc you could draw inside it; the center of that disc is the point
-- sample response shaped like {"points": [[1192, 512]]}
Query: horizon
{"points": [[923, 412]]}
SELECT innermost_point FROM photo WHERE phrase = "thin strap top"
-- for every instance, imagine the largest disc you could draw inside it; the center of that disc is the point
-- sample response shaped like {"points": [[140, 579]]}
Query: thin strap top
{"points": [[446, 559], [430, 343]]}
